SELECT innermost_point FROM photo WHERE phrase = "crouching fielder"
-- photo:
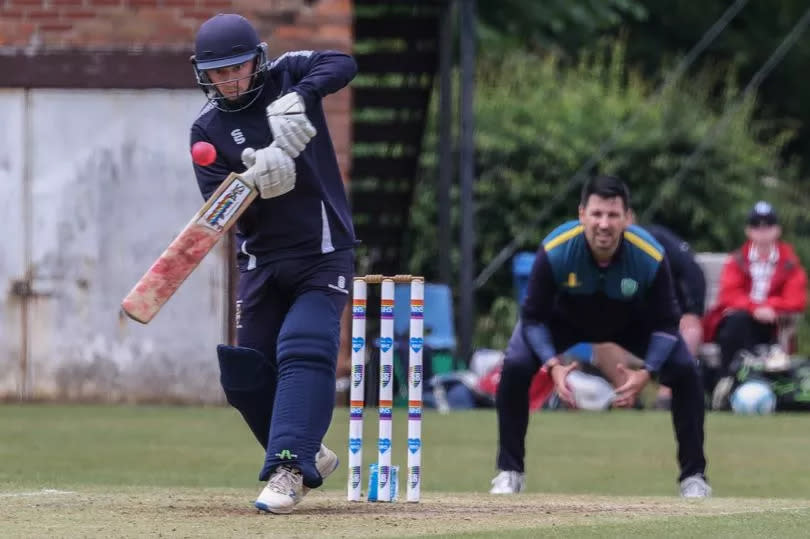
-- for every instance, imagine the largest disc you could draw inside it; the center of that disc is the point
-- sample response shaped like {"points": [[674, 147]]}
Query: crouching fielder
{"points": [[600, 279], [295, 244]]}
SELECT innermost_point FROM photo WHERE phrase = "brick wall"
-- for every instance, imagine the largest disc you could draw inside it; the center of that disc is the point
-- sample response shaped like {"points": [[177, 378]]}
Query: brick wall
{"points": [[36, 26], [155, 23]]}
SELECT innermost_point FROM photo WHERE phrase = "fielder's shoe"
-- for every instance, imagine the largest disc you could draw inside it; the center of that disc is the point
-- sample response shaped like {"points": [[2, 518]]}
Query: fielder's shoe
{"points": [[326, 462], [508, 483], [283, 491], [695, 486]]}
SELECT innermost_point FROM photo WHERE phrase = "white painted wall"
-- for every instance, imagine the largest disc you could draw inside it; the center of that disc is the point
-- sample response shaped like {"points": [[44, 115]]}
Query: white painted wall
{"points": [[12, 266], [111, 184]]}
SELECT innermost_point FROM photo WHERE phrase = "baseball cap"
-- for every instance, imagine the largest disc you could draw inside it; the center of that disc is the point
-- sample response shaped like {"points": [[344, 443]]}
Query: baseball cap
{"points": [[762, 214]]}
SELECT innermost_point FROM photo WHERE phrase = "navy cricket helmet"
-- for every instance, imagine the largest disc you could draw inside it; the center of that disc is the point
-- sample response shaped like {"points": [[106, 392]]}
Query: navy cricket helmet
{"points": [[226, 40]]}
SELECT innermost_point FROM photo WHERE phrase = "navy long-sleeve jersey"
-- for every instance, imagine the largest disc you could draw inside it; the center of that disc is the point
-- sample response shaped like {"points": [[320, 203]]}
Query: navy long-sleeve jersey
{"points": [[632, 295], [687, 275], [312, 218]]}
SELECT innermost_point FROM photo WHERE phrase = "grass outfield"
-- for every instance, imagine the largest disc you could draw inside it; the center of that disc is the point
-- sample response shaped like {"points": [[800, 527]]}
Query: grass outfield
{"points": [[187, 471]]}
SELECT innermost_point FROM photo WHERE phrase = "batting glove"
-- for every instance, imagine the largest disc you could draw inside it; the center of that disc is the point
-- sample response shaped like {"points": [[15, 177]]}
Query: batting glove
{"points": [[270, 170], [288, 121]]}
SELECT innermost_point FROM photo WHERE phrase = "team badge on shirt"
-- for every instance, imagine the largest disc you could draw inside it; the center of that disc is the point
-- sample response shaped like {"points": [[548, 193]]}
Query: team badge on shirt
{"points": [[629, 286], [572, 280]]}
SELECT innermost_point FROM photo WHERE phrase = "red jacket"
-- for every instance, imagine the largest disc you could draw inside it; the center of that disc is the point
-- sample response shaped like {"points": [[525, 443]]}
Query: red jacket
{"points": [[787, 294]]}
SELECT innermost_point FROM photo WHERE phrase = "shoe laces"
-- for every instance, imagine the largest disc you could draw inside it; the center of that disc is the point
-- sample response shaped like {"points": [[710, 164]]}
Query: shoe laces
{"points": [[286, 480]]}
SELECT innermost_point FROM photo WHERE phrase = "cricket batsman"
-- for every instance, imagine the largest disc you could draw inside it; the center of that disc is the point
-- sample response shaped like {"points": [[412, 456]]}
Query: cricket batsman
{"points": [[600, 279], [295, 244]]}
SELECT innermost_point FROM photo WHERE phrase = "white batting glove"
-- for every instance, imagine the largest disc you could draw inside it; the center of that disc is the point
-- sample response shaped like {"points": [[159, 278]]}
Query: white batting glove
{"points": [[288, 121], [270, 170]]}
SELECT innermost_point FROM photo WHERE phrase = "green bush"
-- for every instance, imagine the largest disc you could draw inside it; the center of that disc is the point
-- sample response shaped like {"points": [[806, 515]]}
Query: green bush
{"points": [[537, 121]]}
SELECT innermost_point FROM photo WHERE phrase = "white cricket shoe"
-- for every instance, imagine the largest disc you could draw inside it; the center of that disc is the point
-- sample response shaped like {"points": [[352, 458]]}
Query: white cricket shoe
{"points": [[508, 483], [326, 461], [283, 491], [695, 486]]}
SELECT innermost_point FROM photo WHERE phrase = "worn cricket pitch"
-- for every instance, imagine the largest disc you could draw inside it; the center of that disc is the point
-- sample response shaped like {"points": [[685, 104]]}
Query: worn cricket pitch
{"points": [[100, 512]]}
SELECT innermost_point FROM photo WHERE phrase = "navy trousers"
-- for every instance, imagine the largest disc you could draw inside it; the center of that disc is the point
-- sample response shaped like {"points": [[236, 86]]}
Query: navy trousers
{"points": [[288, 314], [679, 372]]}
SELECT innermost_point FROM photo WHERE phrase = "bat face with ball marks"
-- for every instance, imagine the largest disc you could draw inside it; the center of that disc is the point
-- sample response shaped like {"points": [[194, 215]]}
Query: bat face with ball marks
{"points": [[188, 249]]}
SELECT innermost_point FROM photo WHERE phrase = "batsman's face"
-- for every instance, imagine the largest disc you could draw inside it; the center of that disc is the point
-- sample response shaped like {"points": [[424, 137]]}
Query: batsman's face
{"points": [[604, 221], [232, 81]]}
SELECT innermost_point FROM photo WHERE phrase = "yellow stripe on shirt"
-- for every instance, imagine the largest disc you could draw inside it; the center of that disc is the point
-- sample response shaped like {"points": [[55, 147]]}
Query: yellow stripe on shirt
{"points": [[644, 245], [562, 238]]}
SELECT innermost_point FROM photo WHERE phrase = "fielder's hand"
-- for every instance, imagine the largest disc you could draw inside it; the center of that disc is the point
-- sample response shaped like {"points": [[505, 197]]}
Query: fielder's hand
{"points": [[288, 121], [270, 170], [559, 373], [634, 382]]}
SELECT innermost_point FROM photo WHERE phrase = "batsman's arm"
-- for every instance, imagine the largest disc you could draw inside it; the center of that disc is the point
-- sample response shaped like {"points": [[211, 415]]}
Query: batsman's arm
{"points": [[188, 249], [318, 74]]}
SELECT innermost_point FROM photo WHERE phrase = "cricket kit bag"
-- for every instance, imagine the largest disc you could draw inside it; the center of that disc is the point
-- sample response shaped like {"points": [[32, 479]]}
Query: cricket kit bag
{"points": [[788, 377]]}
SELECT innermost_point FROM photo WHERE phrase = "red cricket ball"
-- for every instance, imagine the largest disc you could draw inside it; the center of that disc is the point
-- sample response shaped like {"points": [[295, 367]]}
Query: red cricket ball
{"points": [[203, 153]]}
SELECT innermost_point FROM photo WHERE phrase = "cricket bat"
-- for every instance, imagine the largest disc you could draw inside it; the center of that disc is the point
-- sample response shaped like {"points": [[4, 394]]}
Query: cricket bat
{"points": [[188, 249]]}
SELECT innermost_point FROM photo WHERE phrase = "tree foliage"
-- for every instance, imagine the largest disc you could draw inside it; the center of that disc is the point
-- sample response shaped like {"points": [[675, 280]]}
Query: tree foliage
{"points": [[561, 25], [673, 26], [665, 29]]}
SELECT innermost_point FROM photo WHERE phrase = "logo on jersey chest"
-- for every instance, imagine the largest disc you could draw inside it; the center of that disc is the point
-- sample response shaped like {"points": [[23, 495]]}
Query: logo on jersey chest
{"points": [[628, 286], [572, 281], [238, 137]]}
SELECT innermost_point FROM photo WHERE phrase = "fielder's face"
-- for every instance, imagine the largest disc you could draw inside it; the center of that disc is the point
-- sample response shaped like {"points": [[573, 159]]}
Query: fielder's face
{"points": [[232, 81], [604, 221]]}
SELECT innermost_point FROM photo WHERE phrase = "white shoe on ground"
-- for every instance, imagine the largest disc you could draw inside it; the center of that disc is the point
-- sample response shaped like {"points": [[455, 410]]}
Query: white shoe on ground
{"points": [[508, 482], [695, 486], [283, 491], [326, 461]]}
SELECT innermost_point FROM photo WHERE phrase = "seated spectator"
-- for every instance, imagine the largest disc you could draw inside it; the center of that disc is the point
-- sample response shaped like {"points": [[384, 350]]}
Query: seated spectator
{"points": [[760, 282]]}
